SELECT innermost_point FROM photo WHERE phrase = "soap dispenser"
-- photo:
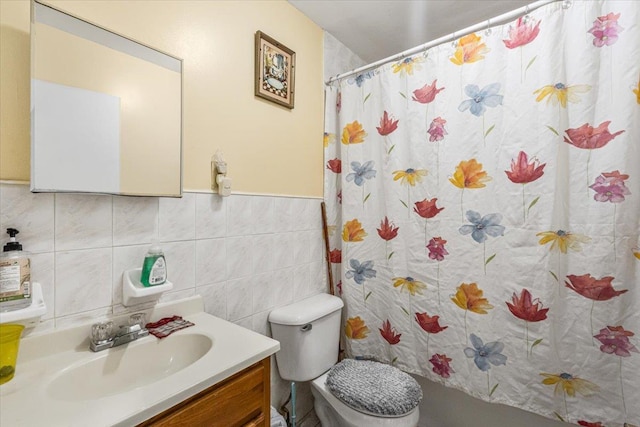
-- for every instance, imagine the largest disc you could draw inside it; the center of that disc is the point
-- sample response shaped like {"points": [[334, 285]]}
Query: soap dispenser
{"points": [[15, 275], [154, 267]]}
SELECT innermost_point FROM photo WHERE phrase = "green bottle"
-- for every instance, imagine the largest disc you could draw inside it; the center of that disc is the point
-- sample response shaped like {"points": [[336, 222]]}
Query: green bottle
{"points": [[154, 267]]}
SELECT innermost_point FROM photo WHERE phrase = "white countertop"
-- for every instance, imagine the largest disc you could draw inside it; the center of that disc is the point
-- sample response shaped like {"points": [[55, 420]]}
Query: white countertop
{"points": [[27, 400]]}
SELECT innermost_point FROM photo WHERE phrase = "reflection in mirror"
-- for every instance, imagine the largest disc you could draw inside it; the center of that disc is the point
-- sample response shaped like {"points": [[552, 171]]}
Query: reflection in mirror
{"points": [[106, 111]]}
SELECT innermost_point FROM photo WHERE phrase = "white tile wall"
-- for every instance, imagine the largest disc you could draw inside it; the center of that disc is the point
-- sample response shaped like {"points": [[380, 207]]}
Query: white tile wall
{"points": [[241, 221], [177, 218], [83, 280], [83, 221], [135, 220], [244, 254], [35, 211], [211, 216], [211, 261], [338, 58]]}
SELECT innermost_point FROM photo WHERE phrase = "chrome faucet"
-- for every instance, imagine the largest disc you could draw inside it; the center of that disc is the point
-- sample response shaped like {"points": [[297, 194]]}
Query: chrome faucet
{"points": [[102, 336]]}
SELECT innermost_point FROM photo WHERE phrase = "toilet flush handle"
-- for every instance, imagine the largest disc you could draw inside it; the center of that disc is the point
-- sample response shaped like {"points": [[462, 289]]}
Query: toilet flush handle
{"points": [[306, 328]]}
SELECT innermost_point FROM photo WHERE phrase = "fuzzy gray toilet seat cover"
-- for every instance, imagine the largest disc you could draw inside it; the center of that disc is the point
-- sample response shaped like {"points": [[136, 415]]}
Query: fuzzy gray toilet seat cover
{"points": [[374, 387]]}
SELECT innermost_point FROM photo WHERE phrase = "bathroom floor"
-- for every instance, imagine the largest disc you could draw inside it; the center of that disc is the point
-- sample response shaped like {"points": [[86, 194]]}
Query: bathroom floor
{"points": [[309, 420]]}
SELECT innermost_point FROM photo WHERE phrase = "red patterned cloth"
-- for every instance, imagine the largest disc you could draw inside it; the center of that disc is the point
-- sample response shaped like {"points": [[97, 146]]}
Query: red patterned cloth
{"points": [[168, 325]]}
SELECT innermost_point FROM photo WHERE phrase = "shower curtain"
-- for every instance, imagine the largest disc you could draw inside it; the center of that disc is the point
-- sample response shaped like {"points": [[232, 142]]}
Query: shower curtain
{"points": [[483, 199]]}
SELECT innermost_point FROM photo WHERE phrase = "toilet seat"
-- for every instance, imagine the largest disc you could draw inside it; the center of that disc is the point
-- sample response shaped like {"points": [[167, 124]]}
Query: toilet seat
{"points": [[349, 416], [374, 388]]}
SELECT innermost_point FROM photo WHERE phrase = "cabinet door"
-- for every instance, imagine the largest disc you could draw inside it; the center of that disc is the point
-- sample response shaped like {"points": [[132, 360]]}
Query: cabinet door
{"points": [[239, 401]]}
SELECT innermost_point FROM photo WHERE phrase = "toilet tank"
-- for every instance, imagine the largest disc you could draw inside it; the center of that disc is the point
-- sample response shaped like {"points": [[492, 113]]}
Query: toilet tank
{"points": [[309, 335]]}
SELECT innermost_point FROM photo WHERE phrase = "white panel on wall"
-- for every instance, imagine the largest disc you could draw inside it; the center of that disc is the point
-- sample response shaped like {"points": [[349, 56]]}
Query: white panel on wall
{"points": [[69, 118]]}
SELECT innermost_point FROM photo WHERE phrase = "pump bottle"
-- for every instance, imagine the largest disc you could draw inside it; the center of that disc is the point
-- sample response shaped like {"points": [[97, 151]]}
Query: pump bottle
{"points": [[154, 267], [15, 275]]}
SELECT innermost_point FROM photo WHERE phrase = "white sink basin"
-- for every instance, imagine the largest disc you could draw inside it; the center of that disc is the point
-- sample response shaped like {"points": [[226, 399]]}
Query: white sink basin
{"points": [[128, 367], [60, 382]]}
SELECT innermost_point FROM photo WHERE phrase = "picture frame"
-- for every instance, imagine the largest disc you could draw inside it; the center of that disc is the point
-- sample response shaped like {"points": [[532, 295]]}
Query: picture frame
{"points": [[275, 67]]}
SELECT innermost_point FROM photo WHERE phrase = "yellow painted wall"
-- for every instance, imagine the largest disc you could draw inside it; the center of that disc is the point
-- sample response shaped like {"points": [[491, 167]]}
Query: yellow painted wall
{"points": [[269, 148]]}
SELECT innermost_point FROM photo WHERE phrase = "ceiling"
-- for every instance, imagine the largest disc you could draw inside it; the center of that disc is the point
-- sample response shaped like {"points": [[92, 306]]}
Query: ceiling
{"points": [[376, 29]]}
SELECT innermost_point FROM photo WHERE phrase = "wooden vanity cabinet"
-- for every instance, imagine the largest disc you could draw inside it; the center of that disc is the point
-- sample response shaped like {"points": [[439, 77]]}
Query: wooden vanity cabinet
{"points": [[242, 400]]}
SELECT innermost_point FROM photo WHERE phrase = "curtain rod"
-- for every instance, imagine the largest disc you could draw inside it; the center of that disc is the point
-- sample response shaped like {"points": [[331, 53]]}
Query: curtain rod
{"points": [[453, 36]]}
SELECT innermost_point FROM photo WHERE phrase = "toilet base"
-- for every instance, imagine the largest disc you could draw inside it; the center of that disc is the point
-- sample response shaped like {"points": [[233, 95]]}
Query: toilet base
{"points": [[333, 413]]}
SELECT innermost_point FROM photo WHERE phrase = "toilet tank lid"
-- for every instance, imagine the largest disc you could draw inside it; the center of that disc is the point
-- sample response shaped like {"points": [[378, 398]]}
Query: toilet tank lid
{"points": [[306, 310]]}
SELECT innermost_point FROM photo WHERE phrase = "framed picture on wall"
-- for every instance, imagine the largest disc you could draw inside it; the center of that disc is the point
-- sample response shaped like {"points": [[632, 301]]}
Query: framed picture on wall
{"points": [[275, 70]]}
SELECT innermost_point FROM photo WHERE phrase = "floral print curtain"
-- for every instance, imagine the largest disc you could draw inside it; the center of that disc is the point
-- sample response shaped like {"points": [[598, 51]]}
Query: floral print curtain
{"points": [[484, 207]]}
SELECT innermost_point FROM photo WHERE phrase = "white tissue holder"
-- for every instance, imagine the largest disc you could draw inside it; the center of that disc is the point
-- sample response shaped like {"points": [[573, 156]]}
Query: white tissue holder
{"points": [[28, 316], [134, 292]]}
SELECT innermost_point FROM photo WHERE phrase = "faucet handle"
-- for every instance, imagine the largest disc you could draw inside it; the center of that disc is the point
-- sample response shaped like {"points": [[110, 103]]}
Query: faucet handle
{"points": [[101, 332], [138, 319]]}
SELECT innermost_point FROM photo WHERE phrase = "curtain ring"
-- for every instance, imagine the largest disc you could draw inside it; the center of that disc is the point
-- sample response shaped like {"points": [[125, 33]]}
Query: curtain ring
{"points": [[454, 42], [487, 32], [526, 17]]}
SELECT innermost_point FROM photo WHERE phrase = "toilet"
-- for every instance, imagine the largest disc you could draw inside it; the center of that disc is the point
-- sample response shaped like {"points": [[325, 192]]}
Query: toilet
{"points": [[352, 393]]}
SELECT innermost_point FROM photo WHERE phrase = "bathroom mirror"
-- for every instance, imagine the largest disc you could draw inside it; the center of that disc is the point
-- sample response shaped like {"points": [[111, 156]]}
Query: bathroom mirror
{"points": [[106, 111]]}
